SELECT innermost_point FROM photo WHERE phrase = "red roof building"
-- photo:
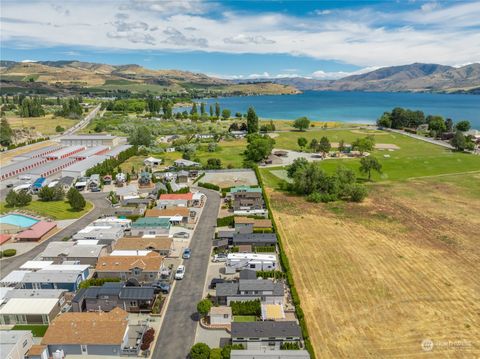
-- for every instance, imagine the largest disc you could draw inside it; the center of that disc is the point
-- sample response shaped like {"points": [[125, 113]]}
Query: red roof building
{"points": [[4, 238], [177, 196], [36, 232]]}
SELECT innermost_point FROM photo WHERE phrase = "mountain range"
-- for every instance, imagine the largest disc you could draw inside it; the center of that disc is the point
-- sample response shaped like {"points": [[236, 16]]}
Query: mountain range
{"points": [[87, 77], [416, 77]]}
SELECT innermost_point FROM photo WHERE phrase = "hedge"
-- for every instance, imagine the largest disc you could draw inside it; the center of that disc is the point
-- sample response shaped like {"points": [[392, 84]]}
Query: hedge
{"points": [[97, 282], [286, 267], [270, 274], [9, 252], [198, 178], [226, 221], [249, 307], [263, 230], [264, 249], [209, 186]]}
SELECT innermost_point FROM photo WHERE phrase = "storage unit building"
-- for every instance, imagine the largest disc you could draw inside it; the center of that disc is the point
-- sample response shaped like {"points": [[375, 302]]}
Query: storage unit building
{"points": [[79, 169]]}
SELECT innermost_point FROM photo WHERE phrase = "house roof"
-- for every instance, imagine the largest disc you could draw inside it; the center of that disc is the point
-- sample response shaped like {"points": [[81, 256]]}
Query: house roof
{"points": [[257, 223], [72, 249], [38, 230], [245, 189], [226, 289], [36, 350], [35, 293], [256, 284], [150, 263], [226, 234], [88, 328], [43, 276], [265, 329], [15, 276], [151, 222], [168, 212], [36, 264], [255, 238], [140, 293], [248, 274], [29, 306], [132, 243], [176, 196], [220, 310]]}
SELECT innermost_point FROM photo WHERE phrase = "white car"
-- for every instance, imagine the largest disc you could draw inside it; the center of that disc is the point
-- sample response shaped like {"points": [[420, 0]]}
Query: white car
{"points": [[220, 257], [180, 273]]}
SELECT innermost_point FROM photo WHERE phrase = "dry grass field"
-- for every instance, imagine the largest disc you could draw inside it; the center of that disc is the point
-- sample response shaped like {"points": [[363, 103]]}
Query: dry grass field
{"points": [[5, 158], [377, 278], [44, 125]]}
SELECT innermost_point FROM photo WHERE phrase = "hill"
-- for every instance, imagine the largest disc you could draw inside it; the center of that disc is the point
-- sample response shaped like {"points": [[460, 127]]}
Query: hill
{"points": [[86, 77], [415, 78]]}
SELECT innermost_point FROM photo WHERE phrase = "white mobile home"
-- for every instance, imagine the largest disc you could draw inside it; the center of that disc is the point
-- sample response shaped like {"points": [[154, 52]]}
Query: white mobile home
{"points": [[257, 262]]}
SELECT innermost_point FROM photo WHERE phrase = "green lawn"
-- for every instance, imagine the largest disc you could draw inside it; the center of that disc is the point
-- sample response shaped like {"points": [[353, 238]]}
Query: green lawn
{"points": [[56, 209], [414, 159], [244, 318], [37, 330]]}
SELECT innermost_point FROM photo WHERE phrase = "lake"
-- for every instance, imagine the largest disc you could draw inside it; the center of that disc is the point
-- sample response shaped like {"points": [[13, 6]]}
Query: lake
{"points": [[359, 107]]}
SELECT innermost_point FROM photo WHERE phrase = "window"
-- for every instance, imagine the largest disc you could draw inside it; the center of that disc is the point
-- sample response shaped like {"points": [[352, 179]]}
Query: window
{"points": [[225, 316], [25, 343], [133, 303], [252, 266]]}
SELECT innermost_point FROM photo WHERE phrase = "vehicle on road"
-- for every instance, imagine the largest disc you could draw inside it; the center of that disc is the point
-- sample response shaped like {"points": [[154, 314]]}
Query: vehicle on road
{"points": [[96, 189], [24, 177], [180, 273], [181, 235], [162, 287], [215, 281], [10, 185], [187, 253], [220, 257]]}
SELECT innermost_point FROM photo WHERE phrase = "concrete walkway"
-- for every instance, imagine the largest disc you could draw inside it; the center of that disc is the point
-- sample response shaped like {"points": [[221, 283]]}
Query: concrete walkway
{"points": [[423, 138]]}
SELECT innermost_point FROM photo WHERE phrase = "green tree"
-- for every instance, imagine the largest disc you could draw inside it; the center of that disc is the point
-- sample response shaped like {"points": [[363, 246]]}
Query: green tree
{"points": [[202, 108], [59, 129], [226, 114], [141, 136], [252, 121], [463, 126], [214, 164], [46, 194], [204, 306], [11, 198], [302, 142], [259, 148], [59, 193], [365, 144], [297, 164], [449, 125], [200, 351], [194, 110], [437, 124], [369, 164], [385, 120], [76, 200], [314, 145], [341, 145], [301, 123], [459, 141], [211, 111], [216, 353], [6, 133], [324, 145], [23, 198], [357, 192], [217, 110]]}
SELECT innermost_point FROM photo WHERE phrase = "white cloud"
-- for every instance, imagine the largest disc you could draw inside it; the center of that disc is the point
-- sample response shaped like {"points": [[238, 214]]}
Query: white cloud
{"points": [[429, 6], [322, 75], [322, 12], [443, 34], [26, 61]]}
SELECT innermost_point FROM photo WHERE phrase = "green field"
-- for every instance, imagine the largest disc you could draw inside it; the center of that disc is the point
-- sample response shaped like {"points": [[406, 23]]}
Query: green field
{"points": [[56, 209], [415, 158], [37, 330]]}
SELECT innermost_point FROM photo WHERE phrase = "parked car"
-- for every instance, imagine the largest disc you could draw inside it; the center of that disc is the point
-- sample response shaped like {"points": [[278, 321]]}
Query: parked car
{"points": [[180, 273], [215, 281], [220, 257], [181, 235], [161, 287], [24, 177], [187, 253], [10, 185], [96, 189]]}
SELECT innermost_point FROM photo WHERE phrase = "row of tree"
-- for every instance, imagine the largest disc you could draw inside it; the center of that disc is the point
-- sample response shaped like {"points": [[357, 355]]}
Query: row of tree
{"points": [[71, 108], [111, 164]]}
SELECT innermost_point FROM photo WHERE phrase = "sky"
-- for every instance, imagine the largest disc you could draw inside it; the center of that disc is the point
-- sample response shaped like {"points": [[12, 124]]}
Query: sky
{"points": [[244, 39]]}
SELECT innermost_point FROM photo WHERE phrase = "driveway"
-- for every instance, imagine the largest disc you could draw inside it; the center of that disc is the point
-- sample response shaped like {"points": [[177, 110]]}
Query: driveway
{"points": [[180, 322], [102, 207]]}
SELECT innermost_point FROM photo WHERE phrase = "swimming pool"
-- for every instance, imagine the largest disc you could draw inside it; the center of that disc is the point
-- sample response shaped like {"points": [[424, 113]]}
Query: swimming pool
{"points": [[18, 220]]}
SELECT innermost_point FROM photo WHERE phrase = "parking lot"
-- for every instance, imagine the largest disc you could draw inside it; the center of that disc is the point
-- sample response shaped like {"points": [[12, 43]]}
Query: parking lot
{"points": [[231, 178]]}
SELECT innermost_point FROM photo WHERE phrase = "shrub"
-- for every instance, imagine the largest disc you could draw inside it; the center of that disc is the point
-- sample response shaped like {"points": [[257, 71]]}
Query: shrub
{"points": [[357, 193], [216, 353], [226, 350], [97, 282], [200, 351], [263, 230], [1, 254], [264, 249], [250, 307], [203, 307], [226, 221], [290, 346], [271, 274], [209, 186], [9, 252]]}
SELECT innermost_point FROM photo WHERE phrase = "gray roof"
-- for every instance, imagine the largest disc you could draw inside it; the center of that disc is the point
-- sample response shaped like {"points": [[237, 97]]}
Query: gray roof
{"points": [[227, 289], [137, 293], [225, 234], [35, 293], [254, 238], [51, 277], [49, 166], [71, 249], [86, 163], [265, 329], [37, 153], [269, 354], [117, 150], [136, 201], [21, 164], [88, 137], [68, 180], [248, 274]]}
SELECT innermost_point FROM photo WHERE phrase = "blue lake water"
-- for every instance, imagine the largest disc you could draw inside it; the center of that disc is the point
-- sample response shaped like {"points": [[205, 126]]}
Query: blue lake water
{"points": [[360, 107]]}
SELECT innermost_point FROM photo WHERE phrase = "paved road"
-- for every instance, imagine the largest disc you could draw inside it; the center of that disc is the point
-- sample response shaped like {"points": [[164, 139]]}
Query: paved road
{"points": [[179, 324], [102, 207], [423, 138]]}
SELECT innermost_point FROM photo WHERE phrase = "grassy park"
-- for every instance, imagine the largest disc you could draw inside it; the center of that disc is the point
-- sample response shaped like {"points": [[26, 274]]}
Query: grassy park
{"points": [[57, 210], [37, 330]]}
